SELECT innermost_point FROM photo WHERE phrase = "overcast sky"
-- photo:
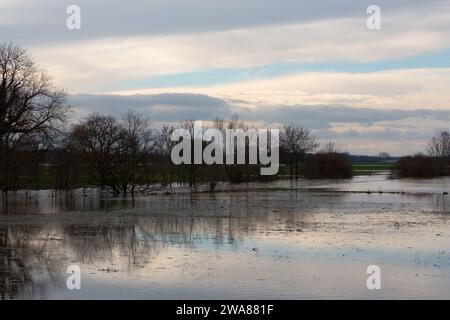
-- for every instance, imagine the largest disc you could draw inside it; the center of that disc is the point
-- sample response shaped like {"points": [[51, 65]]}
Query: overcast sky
{"points": [[270, 61]]}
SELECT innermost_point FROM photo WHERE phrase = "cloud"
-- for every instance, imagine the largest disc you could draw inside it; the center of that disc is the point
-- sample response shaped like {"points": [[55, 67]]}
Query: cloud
{"points": [[180, 106], [386, 134], [124, 43], [32, 22], [358, 130], [355, 129], [395, 89], [161, 107], [94, 64]]}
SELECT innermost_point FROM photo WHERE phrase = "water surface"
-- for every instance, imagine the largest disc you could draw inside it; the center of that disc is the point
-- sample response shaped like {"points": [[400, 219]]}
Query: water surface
{"points": [[277, 240]]}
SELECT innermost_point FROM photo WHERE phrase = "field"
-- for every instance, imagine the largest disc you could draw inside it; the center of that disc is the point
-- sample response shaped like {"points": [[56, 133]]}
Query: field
{"points": [[369, 168], [358, 168]]}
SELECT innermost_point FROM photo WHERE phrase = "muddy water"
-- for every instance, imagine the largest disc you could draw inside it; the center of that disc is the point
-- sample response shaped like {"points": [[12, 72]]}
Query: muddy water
{"points": [[277, 240]]}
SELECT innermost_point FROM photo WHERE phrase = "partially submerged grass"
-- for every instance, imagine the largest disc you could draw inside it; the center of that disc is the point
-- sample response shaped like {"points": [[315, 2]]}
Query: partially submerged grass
{"points": [[46, 176]]}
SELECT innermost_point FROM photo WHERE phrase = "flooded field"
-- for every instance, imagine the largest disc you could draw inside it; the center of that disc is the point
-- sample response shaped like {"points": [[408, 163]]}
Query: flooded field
{"points": [[279, 240]]}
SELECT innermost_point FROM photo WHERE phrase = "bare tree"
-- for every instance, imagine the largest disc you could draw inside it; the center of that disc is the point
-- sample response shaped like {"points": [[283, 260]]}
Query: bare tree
{"points": [[235, 123], [191, 169], [96, 141], [164, 147], [238, 173], [29, 102], [219, 124], [117, 153], [329, 147], [439, 146], [67, 164], [31, 107], [296, 141], [136, 144], [165, 143]]}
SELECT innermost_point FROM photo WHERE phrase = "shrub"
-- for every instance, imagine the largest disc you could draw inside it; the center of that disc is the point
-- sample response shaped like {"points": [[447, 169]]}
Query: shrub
{"points": [[331, 165], [420, 166]]}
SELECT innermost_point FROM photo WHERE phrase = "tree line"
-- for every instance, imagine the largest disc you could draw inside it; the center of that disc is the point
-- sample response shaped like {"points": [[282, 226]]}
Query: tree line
{"points": [[124, 154]]}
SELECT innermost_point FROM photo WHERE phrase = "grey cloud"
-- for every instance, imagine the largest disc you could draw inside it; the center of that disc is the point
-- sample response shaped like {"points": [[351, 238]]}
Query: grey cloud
{"points": [[322, 116], [173, 107], [38, 22], [351, 134], [179, 106], [160, 107], [385, 134], [204, 107]]}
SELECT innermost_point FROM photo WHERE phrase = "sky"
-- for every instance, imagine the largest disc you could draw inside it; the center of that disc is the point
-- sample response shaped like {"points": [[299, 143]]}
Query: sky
{"points": [[271, 62]]}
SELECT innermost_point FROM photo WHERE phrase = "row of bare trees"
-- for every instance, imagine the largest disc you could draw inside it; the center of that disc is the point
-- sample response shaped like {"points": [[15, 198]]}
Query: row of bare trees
{"points": [[125, 155], [119, 154]]}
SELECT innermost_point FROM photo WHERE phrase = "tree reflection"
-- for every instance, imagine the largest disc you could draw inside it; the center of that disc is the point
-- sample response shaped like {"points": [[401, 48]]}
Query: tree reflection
{"points": [[120, 235], [18, 262]]}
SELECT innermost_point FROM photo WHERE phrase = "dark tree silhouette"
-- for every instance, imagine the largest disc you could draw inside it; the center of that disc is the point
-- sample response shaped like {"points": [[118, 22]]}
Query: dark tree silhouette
{"points": [[29, 101], [296, 141], [439, 146], [31, 110], [115, 152]]}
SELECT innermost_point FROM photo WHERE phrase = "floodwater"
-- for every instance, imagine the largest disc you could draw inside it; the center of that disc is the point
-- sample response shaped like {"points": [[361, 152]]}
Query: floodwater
{"points": [[279, 240]]}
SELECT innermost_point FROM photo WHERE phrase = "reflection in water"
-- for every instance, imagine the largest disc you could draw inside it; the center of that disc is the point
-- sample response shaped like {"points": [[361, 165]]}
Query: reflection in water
{"points": [[38, 244], [13, 276], [441, 202], [240, 244], [26, 266]]}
